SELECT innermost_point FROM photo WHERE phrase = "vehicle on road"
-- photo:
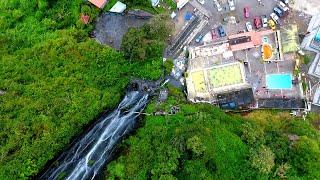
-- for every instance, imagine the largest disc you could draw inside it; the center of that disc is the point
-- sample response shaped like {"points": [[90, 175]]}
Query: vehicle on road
{"points": [[278, 12], [221, 31], [201, 1], [246, 13], [257, 22], [264, 20], [249, 26], [285, 1], [275, 18], [199, 38], [218, 6], [272, 24], [231, 5]]}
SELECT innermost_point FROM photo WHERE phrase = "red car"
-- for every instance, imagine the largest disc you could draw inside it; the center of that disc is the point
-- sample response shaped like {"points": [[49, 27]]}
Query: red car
{"points": [[257, 22], [246, 12], [214, 34]]}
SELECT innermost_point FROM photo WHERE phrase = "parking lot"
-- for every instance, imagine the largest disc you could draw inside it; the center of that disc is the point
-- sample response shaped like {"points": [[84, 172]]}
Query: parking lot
{"points": [[217, 18]]}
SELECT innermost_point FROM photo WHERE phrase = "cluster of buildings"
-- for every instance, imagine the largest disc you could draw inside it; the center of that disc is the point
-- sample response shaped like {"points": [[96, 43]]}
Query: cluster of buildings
{"points": [[248, 70], [311, 42]]}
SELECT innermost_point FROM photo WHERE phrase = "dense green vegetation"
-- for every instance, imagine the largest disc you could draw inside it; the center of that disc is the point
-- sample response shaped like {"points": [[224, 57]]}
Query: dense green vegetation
{"points": [[55, 78], [149, 41], [202, 142]]}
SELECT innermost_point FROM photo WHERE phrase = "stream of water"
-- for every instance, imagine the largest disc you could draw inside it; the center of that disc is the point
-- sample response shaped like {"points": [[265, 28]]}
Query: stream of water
{"points": [[89, 154]]}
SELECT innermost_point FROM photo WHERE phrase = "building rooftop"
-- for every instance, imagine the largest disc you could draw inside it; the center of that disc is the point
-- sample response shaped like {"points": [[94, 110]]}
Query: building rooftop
{"points": [[119, 7], [99, 3], [247, 40]]}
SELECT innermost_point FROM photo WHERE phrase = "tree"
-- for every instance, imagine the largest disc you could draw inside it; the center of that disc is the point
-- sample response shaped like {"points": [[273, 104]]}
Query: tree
{"points": [[262, 159], [134, 44], [251, 134], [159, 27], [195, 145], [282, 170], [306, 157]]}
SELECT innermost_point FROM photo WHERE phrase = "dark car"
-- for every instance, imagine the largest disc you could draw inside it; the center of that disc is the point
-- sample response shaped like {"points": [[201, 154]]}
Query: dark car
{"points": [[278, 11], [199, 38], [257, 22], [222, 33]]}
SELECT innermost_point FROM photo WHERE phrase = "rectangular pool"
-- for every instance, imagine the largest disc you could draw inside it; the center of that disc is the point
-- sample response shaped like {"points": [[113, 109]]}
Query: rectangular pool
{"points": [[279, 81]]}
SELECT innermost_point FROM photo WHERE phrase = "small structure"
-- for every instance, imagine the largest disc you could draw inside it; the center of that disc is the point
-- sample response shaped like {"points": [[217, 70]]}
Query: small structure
{"points": [[155, 2], [181, 3], [241, 99], [311, 40], [173, 15], [99, 3], [316, 97], [119, 7], [163, 95], [315, 43]]}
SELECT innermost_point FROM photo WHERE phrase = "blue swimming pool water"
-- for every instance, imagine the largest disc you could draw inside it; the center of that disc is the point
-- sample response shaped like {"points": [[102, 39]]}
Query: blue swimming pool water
{"points": [[279, 81]]}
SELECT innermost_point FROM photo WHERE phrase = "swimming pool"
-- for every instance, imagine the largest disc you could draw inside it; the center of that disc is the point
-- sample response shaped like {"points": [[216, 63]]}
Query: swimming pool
{"points": [[279, 81]]}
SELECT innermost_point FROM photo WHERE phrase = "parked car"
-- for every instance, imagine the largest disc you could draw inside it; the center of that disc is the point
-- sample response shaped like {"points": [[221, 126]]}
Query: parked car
{"points": [[219, 8], [264, 21], [221, 31], [231, 5], [201, 2], [272, 24], [257, 22], [275, 18], [199, 38], [249, 26], [283, 7], [285, 1], [214, 34], [246, 12], [278, 12]]}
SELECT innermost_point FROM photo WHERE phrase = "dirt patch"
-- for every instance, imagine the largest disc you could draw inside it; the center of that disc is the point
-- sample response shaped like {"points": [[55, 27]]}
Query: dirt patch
{"points": [[111, 27]]}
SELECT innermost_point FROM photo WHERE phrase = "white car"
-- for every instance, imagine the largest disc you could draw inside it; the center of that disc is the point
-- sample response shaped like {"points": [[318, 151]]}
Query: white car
{"points": [[249, 26], [219, 8], [231, 5], [201, 2], [283, 6], [264, 21], [274, 17]]}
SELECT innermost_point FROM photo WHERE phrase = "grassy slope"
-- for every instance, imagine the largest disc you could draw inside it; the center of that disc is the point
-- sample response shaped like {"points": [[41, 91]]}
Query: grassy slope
{"points": [[159, 149], [56, 80]]}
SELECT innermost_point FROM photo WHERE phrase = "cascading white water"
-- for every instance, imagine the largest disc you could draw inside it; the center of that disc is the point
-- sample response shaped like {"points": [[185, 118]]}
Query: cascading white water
{"points": [[88, 155]]}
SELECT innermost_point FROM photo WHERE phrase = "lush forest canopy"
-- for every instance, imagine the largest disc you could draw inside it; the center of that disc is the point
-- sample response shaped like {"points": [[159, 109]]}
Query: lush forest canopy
{"points": [[55, 79], [202, 142]]}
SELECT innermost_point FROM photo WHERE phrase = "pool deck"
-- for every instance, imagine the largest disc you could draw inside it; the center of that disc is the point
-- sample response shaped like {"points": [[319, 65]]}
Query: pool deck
{"points": [[256, 72]]}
